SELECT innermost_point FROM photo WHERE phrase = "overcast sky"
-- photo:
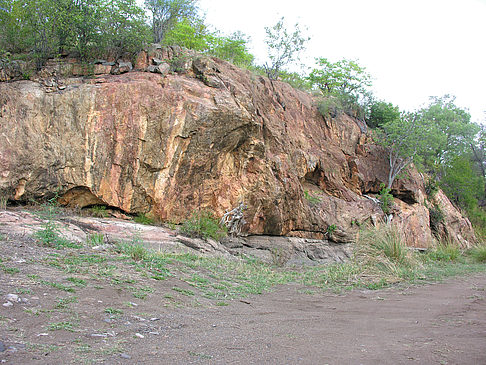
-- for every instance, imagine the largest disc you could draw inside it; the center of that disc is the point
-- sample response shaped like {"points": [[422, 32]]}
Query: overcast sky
{"points": [[413, 48]]}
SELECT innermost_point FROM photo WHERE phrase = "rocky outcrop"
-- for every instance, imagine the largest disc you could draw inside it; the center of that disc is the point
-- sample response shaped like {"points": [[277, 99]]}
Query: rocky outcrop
{"points": [[206, 135]]}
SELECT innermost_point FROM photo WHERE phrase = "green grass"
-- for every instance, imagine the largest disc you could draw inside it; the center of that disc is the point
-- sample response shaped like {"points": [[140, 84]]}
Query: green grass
{"points": [[99, 211], [63, 303], [143, 219], [65, 325], [115, 311], [95, 239], [478, 253], [204, 225]]}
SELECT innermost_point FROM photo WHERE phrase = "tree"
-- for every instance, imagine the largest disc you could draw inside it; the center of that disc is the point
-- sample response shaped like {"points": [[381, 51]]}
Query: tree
{"points": [[341, 77], [382, 112], [233, 49], [124, 27], [404, 139], [452, 131], [167, 13], [283, 47], [193, 35]]}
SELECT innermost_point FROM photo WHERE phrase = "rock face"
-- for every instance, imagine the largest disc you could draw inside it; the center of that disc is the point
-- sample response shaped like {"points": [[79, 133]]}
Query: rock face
{"points": [[209, 136]]}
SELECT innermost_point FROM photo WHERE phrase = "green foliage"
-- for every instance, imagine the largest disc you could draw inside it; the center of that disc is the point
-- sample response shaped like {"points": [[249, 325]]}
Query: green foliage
{"points": [[203, 224], [386, 199], [189, 34], [450, 133], [341, 77], [89, 28], [405, 140], [296, 80], [99, 211], [461, 183], [312, 198], [478, 253], [436, 217], [233, 49], [431, 188], [382, 112], [95, 239], [143, 219], [331, 229], [445, 251], [167, 13], [335, 104], [283, 47], [50, 235]]}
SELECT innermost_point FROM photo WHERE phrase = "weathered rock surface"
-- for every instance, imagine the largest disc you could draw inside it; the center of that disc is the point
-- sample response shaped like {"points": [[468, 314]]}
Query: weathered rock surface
{"points": [[277, 250], [209, 137]]}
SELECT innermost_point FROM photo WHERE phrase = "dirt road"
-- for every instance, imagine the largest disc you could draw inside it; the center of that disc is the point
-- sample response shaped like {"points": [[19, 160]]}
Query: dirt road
{"points": [[432, 324]]}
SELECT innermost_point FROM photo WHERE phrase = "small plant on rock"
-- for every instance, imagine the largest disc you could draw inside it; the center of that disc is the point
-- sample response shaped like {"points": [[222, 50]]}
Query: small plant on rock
{"points": [[143, 219], [203, 224], [99, 211]]}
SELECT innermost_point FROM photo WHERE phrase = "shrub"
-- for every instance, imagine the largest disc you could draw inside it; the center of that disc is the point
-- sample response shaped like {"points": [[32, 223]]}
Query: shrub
{"points": [[436, 217], [143, 219], [381, 252], [386, 199], [445, 251], [95, 239], [478, 253], [203, 224], [382, 112], [99, 211]]}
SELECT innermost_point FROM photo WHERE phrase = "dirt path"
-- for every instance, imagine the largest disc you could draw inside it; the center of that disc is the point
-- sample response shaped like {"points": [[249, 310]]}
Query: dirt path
{"points": [[432, 324]]}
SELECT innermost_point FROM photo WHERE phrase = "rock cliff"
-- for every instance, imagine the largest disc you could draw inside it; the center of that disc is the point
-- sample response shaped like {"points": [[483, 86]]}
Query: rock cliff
{"points": [[207, 135]]}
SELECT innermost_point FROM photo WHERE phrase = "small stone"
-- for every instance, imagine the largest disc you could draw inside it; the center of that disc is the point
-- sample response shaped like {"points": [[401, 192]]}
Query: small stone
{"points": [[139, 335], [13, 298], [61, 87], [156, 61], [42, 334], [2, 347], [133, 304], [125, 356], [7, 304], [99, 335], [154, 333], [154, 319]]}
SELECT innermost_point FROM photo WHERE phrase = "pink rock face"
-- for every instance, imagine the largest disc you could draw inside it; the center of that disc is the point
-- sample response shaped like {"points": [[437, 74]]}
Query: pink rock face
{"points": [[205, 139]]}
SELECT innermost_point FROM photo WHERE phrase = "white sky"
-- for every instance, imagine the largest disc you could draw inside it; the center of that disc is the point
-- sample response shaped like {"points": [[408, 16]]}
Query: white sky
{"points": [[413, 48]]}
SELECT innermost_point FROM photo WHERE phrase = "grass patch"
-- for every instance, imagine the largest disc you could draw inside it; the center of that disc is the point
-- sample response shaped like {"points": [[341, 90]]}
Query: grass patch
{"points": [[478, 253], [114, 311], [143, 219], [65, 325], [63, 303], [95, 239], [183, 291], [204, 225], [99, 211]]}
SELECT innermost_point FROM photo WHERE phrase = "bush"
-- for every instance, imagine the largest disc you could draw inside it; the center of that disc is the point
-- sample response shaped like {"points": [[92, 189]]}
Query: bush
{"points": [[445, 251], [203, 224], [336, 104], [386, 199], [143, 219], [99, 211], [382, 253], [478, 253], [436, 217], [381, 113]]}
